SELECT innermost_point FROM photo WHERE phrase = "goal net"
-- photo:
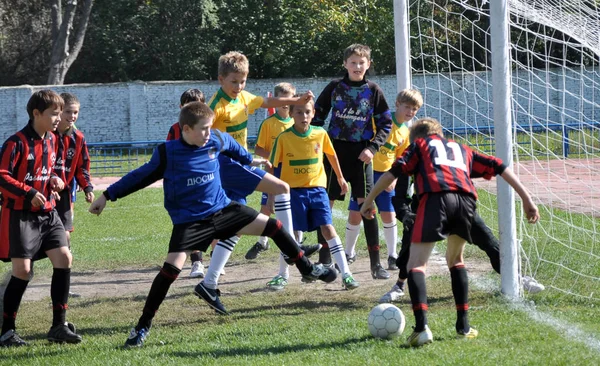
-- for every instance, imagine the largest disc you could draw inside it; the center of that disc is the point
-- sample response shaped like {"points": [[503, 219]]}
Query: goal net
{"points": [[554, 48]]}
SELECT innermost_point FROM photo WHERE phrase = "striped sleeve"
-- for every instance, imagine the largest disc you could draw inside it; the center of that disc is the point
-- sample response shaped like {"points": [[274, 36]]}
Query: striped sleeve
{"points": [[10, 156]]}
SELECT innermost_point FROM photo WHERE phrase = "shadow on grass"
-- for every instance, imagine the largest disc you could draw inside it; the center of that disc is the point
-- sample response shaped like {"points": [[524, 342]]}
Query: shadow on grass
{"points": [[283, 349]]}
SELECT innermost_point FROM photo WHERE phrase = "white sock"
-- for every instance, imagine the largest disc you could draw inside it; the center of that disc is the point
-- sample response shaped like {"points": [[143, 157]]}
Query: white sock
{"points": [[284, 268], [390, 232], [263, 240], [337, 251], [283, 211], [352, 232], [299, 236], [219, 258]]}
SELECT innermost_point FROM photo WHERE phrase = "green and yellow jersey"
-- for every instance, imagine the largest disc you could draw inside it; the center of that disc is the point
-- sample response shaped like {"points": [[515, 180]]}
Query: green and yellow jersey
{"points": [[231, 115], [397, 142], [270, 128], [301, 157]]}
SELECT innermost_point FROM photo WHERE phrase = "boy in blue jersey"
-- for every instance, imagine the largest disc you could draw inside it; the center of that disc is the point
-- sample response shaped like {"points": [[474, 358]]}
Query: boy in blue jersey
{"points": [[360, 124], [199, 208]]}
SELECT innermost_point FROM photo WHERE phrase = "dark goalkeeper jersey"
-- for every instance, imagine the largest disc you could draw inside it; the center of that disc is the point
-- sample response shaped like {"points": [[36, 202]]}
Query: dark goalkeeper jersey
{"points": [[441, 165], [191, 179]]}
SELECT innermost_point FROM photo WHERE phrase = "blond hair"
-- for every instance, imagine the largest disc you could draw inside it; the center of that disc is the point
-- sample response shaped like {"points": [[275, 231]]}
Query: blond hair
{"points": [[284, 89], [410, 96], [233, 62], [425, 127], [360, 50], [194, 112]]}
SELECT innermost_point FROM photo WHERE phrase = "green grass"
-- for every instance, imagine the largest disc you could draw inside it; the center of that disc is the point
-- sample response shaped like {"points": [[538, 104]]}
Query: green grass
{"points": [[300, 326]]}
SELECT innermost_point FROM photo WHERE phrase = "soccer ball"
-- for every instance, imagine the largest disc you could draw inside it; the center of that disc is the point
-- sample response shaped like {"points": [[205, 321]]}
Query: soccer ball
{"points": [[386, 321]]}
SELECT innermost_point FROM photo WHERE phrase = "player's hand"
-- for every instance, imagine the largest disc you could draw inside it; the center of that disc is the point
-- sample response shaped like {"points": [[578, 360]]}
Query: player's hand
{"points": [[56, 184], [89, 197], [56, 195], [408, 220], [38, 200], [306, 97], [367, 209], [98, 205], [531, 211], [366, 156], [343, 186]]}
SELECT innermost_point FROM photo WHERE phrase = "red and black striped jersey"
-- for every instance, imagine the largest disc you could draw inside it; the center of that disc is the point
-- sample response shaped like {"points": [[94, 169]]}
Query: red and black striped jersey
{"points": [[26, 166], [441, 165], [73, 159], [174, 132]]}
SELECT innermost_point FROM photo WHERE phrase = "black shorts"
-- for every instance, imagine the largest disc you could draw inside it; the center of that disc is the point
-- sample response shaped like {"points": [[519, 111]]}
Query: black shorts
{"points": [[64, 209], [30, 234], [223, 224], [358, 174], [442, 214]]}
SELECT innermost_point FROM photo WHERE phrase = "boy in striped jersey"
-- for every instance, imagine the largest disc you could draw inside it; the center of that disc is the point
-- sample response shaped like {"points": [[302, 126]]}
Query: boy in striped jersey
{"points": [[30, 227], [443, 170], [298, 159], [408, 102]]}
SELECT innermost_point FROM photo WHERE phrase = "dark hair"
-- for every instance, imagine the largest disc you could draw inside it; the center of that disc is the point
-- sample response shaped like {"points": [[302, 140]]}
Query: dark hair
{"points": [[193, 112], [191, 95], [69, 98], [42, 100]]}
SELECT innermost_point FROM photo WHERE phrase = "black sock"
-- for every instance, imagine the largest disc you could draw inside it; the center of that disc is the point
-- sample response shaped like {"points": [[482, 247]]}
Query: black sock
{"points": [[460, 289], [59, 292], [418, 297], [12, 299], [372, 236], [287, 245], [196, 257], [324, 253], [160, 286]]}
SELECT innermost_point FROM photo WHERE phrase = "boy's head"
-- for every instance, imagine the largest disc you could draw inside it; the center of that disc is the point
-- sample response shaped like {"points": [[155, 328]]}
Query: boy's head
{"points": [[408, 103], [70, 112], [425, 127], [191, 95], [302, 115], [233, 72], [285, 90], [195, 120], [357, 60], [44, 108]]}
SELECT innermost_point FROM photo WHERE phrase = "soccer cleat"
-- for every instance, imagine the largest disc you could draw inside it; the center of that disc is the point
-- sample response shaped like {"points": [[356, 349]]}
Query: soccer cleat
{"points": [[63, 334], [278, 283], [472, 333], [350, 259], [392, 263], [320, 272], [197, 270], [310, 249], [11, 339], [211, 297], [392, 295], [136, 337], [531, 285], [256, 249], [417, 339], [349, 283], [378, 273]]}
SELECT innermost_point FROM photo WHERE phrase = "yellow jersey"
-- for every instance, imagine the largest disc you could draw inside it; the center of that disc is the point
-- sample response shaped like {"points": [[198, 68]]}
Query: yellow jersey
{"points": [[301, 157], [270, 128], [397, 142], [231, 115]]}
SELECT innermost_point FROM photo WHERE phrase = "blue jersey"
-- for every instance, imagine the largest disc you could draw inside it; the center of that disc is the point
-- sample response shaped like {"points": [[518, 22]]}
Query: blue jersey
{"points": [[191, 179]]}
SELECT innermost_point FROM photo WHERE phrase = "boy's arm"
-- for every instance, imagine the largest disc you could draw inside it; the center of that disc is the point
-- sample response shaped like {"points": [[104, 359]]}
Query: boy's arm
{"points": [[530, 208], [276, 102], [261, 152], [82, 170], [134, 180], [382, 183], [383, 120], [323, 105], [10, 154], [261, 140], [335, 164]]}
